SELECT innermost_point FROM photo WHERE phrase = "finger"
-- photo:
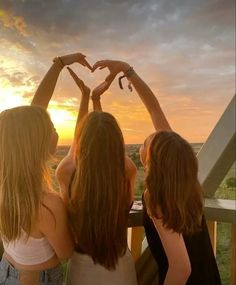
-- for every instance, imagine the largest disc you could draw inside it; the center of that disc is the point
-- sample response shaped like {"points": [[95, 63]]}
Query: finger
{"points": [[74, 76], [80, 55], [86, 63], [99, 64], [98, 67]]}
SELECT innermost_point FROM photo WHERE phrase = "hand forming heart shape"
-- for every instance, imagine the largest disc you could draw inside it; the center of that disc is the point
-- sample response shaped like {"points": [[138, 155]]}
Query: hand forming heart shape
{"points": [[113, 66], [100, 89]]}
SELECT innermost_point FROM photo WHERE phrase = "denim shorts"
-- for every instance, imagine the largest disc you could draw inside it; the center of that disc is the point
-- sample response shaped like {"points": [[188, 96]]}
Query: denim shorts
{"points": [[10, 275]]}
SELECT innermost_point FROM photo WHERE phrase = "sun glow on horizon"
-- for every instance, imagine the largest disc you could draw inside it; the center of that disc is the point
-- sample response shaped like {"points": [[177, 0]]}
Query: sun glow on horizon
{"points": [[64, 122], [9, 99]]}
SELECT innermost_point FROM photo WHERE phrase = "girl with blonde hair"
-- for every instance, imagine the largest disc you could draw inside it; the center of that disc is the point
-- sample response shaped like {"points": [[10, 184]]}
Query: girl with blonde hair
{"points": [[34, 225], [173, 218], [33, 219]]}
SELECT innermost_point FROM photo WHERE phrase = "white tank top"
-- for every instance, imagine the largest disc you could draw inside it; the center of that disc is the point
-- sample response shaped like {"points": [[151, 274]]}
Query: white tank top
{"points": [[29, 251]]}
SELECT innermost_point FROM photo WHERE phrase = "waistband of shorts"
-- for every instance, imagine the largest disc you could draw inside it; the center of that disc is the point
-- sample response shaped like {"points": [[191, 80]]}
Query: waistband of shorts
{"points": [[43, 274], [11, 270]]}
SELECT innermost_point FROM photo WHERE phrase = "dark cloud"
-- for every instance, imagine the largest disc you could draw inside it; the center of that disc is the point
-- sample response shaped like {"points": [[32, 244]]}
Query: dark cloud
{"points": [[122, 25], [182, 48]]}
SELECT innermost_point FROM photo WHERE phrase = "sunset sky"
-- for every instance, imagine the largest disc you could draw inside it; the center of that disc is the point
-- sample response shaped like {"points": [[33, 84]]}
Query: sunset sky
{"points": [[184, 49]]}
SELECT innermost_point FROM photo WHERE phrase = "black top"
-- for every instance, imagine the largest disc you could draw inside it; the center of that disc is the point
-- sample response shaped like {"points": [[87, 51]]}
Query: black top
{"points": [[203, 264]]}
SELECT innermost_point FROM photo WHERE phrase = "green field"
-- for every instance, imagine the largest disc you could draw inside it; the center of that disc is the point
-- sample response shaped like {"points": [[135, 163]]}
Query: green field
{"points": [[223, 254]]}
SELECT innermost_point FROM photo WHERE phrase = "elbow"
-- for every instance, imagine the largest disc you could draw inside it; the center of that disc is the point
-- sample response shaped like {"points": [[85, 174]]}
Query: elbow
{"points": [[66, 252], [180, 272], [66, 255], [186, 271]]}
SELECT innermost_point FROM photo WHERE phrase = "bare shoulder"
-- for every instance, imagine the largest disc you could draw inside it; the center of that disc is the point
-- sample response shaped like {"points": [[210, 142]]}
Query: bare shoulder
{"points": [[64, 170], [131, 171], [52, 202], [54, 225]]}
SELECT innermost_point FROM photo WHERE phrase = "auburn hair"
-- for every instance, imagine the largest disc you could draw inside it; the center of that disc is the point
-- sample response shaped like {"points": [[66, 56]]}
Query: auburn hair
{"points": [[172, 183], [24, 150], [99, 204]]}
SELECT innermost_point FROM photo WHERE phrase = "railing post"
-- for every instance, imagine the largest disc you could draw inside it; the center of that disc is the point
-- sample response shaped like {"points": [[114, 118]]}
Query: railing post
{"points": [[136, 242], [233, 255], [212, 228]]}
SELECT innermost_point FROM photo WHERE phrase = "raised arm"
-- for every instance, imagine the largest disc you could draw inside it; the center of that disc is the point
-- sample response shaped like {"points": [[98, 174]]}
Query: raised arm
{"points": [[67, 166], [83, 108], [98, 91], [54, 224], [46, 87], [158, 117], [145, 93]]}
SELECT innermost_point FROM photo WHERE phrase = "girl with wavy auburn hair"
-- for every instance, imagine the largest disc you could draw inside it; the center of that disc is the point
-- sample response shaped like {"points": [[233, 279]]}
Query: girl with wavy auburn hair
{"points": [[173, 216], [171, 180], [97, 181]]}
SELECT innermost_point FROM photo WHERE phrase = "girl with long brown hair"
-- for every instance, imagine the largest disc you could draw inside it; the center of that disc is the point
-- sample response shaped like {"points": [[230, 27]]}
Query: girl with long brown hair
{"points": [[97, 181], [173, 200]]}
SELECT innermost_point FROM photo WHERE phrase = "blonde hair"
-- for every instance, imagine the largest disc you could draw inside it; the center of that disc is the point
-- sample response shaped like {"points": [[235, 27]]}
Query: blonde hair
{"points": [[24, 151], [99, 203], [172, 183]]}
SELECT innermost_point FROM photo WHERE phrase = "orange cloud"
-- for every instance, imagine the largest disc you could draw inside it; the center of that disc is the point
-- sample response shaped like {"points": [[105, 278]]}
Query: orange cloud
{"points": [[13, 22]]}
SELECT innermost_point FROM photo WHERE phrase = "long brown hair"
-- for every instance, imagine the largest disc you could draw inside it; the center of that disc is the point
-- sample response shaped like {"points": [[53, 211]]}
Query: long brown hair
{"points": [[25, 136], [99, 194], [172, 183]]}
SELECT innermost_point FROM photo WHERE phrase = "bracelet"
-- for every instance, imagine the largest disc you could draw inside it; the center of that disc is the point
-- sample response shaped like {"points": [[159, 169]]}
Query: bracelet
{"points": [[59, 60], [127, 74]]}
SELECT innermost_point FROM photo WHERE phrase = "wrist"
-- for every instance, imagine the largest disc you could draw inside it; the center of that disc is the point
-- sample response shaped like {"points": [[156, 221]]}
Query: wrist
{"points": [[58, 61], [95, 97], [86, 95], [125, 67], [129, 72]]}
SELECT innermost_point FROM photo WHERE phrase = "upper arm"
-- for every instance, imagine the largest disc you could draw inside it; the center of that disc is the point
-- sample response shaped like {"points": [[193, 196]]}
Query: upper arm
{"points": [[64, 170], [54, 225], [175, 249], [40, 102], [131, 171]]}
